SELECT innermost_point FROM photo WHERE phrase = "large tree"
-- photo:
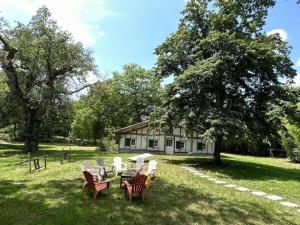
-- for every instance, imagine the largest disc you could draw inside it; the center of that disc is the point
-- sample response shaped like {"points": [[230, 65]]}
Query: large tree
{"points": [[228, 74], [41, 63]]}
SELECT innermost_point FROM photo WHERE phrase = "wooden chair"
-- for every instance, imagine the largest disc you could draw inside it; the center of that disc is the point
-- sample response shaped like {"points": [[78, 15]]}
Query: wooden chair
{"points": [[139, 165], [136, 185], [118, 166], [96, 187], [101, 165], [152, 168], [94, 170]]}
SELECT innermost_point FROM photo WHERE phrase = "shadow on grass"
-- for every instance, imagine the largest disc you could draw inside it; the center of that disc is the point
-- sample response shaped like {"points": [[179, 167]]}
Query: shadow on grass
{"points": [[63, 202], [237, 169]]}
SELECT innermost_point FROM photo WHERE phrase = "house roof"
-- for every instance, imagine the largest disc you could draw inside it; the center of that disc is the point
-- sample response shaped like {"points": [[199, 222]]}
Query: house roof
{"points": [[141, 125], [132, 127]]}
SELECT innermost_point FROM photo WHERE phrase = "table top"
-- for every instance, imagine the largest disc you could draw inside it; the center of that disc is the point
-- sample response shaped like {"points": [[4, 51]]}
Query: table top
{"points": [[128, 174], [145, 155]]}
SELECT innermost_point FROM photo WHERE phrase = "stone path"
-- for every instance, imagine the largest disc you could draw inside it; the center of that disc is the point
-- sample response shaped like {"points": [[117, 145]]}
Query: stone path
{"points": [[258, 193], [242, 189], [274, 197]]}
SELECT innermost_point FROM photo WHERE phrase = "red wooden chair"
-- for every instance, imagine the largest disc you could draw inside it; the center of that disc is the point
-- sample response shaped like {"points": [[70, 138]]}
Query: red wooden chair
{"points": [[96, 187], [136, 185]]}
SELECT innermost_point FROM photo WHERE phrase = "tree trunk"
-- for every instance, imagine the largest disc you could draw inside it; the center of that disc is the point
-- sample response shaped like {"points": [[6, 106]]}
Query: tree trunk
{"points": [[217, 152], [31, 135]]}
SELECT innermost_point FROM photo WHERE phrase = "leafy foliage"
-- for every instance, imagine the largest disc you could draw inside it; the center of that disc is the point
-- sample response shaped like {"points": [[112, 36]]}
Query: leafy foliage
{"points": [[128, 97], [291, 139], [228, 73], [42, 63]]}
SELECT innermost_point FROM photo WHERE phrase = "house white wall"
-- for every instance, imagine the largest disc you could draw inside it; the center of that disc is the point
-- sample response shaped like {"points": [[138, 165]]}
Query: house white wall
{"points": [[142, 136]]}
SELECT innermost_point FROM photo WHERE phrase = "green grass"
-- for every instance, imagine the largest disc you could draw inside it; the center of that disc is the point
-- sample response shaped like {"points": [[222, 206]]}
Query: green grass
{"points": [[55, 196]]}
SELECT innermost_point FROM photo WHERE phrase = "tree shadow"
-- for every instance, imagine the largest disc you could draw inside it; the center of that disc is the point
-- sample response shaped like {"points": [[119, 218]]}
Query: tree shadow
{"points": [[236, 169], [63, 202]]}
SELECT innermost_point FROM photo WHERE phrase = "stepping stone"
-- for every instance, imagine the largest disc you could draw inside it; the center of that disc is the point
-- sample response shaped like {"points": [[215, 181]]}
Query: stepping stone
{"points": [[211, 179], [220, 182], [243, 189], [258, 193], [289, 204], [230, 185], [199, 174], [274, 197]]}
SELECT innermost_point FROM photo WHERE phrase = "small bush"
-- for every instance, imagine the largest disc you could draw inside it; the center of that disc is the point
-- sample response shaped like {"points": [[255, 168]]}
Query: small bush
{"points": [[107, 144]]}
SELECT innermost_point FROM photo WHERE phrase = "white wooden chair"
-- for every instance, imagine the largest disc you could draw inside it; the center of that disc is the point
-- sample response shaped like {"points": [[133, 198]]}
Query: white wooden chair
{"points": [[118, 166], [94, 170], [139, 165], [152, 167], [101, 165]]}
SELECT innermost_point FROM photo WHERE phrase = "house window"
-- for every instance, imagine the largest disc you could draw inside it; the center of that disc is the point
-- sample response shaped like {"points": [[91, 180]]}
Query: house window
{"points": [[169, 143], [153, 143], [132, 141], [179, 145], [200, 146], [129, 142]]}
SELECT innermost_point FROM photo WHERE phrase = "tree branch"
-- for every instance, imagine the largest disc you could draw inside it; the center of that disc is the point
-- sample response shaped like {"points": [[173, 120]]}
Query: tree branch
{"points": [[78, 90], [10, 70], [63, 70], [11, 51]]}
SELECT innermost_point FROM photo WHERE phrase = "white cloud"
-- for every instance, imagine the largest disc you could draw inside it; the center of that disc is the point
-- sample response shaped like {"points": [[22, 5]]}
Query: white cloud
{"points": [[297, 80], [282, 33], [80, 17], [298, 62]]}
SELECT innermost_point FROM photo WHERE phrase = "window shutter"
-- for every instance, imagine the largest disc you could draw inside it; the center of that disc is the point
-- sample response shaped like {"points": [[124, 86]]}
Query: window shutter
{"points": [[178, 145]]}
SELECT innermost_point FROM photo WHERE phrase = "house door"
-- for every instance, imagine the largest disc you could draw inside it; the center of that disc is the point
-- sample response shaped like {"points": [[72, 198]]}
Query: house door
{"points": [[169, 146]]}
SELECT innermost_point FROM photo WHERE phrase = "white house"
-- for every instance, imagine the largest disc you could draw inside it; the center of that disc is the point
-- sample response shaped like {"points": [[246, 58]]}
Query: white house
{"points": [[141, 137]]}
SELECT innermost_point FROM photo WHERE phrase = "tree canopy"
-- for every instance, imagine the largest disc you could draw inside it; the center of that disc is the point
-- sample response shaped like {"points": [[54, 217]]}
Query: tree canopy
{"points": [[128, 97], [228, 74], [42, 63]]}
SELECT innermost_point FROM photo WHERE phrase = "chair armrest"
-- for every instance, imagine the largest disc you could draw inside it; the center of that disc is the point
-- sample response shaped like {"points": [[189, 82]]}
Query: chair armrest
{"points": [[127, 184], [103, 182]]}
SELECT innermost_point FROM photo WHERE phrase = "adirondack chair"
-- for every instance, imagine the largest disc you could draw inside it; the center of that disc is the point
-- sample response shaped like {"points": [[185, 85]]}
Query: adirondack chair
{"points": [[151, 168], [136, 185], [101, 164], [94, 169], [139, 165], [95, 173], [118, 166], [96, 187]]}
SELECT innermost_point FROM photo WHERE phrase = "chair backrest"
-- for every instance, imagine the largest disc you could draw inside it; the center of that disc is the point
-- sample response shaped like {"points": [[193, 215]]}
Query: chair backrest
{"points": [[117, 162], [139, 163], [100, 162], [151, 166], [89, 179], [138, 182], [88, 164], [82, 169], [140, 160]]}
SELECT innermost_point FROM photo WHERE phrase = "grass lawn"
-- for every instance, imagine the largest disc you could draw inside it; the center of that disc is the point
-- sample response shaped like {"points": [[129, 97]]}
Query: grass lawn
{"points": [[55, 196]]}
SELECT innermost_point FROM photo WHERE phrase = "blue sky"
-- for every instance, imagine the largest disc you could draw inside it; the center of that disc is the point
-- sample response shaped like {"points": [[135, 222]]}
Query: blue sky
{"points": [[128, 31]]}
